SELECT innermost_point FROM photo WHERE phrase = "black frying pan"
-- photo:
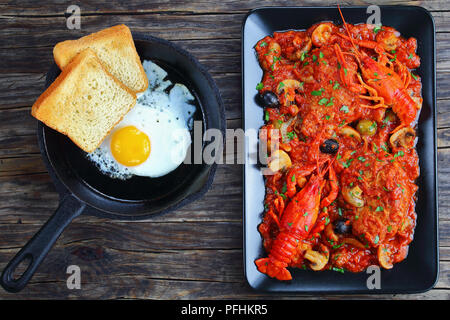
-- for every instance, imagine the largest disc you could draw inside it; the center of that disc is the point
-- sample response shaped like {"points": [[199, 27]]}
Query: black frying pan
{"points": [[84, 190]]}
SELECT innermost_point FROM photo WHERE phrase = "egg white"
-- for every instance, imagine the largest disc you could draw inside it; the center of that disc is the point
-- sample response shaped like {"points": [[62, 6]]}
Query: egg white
{"points": [[165, 118]]}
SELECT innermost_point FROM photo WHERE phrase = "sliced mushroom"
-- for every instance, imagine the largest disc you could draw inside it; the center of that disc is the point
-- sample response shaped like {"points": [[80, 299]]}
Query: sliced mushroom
{"points": [[353, 242], [350, 132], [329, 233], [353, 196], [418, 101], [288, 84], [318, 260], [284, 129], [279, 160], [384, 257], [304, 45], [404, 137]]}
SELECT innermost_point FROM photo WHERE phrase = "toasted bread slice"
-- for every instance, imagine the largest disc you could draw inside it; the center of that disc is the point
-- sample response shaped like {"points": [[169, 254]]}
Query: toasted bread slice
{"points": [[85, 102], [115, 48]]}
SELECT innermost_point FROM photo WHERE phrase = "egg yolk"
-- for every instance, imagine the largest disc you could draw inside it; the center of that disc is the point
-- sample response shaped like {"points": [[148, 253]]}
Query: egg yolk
{"points": [[130, 146]]}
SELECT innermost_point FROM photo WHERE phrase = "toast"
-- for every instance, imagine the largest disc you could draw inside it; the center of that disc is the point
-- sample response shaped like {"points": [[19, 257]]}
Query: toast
{"points": [[85, 102], [114, 46]]}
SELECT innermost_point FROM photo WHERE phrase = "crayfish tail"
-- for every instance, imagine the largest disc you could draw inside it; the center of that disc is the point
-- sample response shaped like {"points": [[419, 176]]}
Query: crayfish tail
{"points": [[284, 275], [280, 273], [262, 264]]}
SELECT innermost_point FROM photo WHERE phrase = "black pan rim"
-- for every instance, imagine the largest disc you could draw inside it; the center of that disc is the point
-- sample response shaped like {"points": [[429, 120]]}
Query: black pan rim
{"points": [[335, 291]]}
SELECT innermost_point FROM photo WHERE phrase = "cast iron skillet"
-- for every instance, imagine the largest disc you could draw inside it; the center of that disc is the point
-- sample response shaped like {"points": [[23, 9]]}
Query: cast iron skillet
{"points": [[83, 189]]}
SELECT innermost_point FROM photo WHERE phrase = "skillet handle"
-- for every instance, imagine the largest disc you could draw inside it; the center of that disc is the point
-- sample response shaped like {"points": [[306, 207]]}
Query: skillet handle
{"points": [[37, 248]]}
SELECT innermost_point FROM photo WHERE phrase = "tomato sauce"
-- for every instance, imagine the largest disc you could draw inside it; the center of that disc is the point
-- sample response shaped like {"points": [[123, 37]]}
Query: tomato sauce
{"points": [[329, 96]]}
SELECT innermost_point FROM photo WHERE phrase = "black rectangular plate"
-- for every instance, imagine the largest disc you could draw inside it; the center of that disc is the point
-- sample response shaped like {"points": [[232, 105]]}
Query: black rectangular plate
{"points": [[419, 271]]}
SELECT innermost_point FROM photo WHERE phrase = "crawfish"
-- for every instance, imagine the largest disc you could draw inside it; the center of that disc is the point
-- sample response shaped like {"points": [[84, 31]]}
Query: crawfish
{"points": [[387, 84], [296, 223]]}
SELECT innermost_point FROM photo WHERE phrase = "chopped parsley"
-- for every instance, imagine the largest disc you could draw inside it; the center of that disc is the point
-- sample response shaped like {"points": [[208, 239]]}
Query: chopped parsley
{"points": [[323, 101], [377, 238], [259, 86], [330, 103], [345, 109], [336, 85], [341, 270], [347, 163], [398, 154], [303, 56]]}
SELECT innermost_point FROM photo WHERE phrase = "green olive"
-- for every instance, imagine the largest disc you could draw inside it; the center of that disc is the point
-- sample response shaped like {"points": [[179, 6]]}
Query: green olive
{"points": [[367, 127], [390, 116]]}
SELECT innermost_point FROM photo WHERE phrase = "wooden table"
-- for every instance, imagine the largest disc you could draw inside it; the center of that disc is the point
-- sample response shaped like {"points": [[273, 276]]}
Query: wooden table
{"points": [[195, 252]]}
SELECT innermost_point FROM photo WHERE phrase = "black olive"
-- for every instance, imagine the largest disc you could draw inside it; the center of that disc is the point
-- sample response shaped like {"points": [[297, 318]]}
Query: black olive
{"points": [[268, 99], [342, 226], [330, 146]]}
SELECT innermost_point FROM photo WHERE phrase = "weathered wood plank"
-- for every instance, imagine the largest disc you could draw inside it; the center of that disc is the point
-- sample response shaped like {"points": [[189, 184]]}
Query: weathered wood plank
{"points": [[108, 250], [99, 261], [101, 265], [192, 253], [443, 138], [146, 288], [31, 199], [20, 32], [33, 192], [150, 236], [17, 31], [443, 113], [32, 8], [218, 56], [21, 90]]}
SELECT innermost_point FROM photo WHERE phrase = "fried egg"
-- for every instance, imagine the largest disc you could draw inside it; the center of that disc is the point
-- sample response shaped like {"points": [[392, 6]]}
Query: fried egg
{"points": [[154, 136]]}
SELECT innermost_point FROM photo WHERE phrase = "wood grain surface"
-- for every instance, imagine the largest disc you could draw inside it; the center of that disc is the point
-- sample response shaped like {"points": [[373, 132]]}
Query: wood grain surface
{"points": [[195, 252]]}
